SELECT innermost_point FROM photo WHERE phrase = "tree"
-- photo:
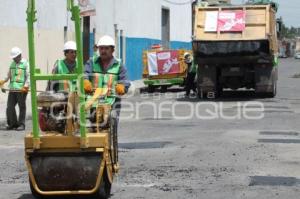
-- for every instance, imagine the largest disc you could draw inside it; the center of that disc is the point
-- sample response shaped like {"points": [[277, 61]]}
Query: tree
{"points": [[289, 32]]}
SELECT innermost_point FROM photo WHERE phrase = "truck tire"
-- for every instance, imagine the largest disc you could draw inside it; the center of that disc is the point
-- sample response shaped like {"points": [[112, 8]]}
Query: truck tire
{"points": [[219, 91], [164, 88], [267, 89], [274, 90]]}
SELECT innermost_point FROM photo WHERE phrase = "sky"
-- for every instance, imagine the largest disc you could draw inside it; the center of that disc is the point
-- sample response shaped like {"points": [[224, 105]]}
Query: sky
{"points": [[288, 9]]}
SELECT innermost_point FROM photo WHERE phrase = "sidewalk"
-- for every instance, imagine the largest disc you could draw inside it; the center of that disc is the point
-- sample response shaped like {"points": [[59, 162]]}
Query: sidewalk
{"points": [[135, 87]]}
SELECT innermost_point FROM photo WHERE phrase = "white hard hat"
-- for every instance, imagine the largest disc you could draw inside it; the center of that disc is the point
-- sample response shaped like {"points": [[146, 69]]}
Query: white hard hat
{"points": [[70, 45], [106, 41], [15, 52]]}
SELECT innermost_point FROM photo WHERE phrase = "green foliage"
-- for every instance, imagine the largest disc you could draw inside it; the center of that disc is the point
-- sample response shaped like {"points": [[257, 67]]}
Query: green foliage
{"points": [[289, 32], [264, 2]]}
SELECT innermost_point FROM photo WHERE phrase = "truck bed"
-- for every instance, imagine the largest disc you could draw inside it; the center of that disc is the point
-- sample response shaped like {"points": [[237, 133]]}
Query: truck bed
{"points": [[259, 23]]}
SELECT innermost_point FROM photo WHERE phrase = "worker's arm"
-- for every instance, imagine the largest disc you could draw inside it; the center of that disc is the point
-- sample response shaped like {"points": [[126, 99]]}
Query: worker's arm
{"points": [[2, 82], [8, 76], [123, 79], [88, 72]]}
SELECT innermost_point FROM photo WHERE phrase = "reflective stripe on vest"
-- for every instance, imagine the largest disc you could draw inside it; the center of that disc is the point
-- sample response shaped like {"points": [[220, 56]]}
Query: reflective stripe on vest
{"points": [[106, 79], [65, 84], [18, 73]]}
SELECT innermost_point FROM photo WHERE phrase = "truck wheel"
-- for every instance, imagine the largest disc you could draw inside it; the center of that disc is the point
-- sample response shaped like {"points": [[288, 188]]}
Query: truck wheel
{"points": [[209, 95], [274, 89], [164, 89], [219, 91], [151, 88], [201, 94]]}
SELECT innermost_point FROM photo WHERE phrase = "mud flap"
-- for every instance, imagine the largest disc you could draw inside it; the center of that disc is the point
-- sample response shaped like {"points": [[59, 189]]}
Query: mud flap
{"points": [[65, 171], [266, 79]]}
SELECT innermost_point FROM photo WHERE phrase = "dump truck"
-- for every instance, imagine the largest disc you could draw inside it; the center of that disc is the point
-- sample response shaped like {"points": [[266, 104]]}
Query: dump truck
{"points": [[76, 159], [235, 46], [164, 68], [297, 48]]}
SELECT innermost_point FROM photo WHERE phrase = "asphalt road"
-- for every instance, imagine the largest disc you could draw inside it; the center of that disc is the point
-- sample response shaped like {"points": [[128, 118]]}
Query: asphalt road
{"points": [[172, 147]]}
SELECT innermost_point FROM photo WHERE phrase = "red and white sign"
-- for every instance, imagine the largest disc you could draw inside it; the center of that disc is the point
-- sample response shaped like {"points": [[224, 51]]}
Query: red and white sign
{"points": [[232, 21], [225, 21], [163, 62]]}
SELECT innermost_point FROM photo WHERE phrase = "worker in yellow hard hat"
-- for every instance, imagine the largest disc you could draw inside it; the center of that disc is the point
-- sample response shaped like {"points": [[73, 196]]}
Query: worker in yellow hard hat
{"points": [[107, 72], [18, 75]]}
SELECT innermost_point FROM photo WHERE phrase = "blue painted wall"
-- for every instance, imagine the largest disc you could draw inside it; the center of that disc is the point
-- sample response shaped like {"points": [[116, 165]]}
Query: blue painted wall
{"points": [[135, 48], [92, 42], [181, 45]]}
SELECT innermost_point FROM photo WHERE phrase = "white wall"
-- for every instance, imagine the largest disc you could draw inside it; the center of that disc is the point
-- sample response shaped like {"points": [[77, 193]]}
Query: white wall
{"points": [[138, 18], [51, 14], [180, 20], [13, 13], [142, 18]]}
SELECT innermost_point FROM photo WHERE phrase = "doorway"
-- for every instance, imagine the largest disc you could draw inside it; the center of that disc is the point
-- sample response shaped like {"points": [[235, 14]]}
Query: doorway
{"points": [[165, 28]]}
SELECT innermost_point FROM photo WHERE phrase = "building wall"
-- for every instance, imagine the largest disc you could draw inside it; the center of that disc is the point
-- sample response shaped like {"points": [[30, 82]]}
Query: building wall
{"points": [[49, 32], [140, 21]]}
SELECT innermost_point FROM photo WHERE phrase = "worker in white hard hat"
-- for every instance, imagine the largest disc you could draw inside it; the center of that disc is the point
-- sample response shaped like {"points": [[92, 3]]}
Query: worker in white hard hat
{"points": [[105, 71], [65, 66], [18, 75], [191, 74]]}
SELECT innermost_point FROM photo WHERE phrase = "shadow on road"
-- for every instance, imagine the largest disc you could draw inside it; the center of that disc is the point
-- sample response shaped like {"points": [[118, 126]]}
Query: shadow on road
{"points": [[273, 181], [29, 196], [230, 96], [171, 90], [26, 196]]}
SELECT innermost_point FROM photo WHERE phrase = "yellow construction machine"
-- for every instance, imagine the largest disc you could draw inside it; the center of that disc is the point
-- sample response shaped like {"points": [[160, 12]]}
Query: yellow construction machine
{"points": [[73, 159]]}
